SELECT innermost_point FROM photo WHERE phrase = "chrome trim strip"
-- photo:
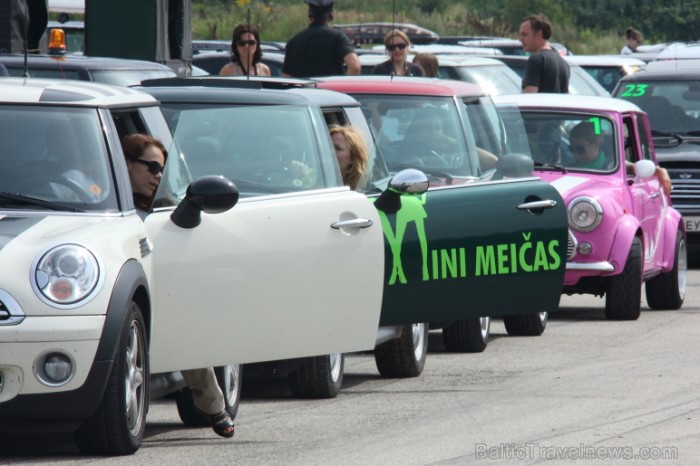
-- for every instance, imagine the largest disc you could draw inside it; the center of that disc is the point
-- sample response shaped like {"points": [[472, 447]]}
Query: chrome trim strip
{"points": [[593, 266]]}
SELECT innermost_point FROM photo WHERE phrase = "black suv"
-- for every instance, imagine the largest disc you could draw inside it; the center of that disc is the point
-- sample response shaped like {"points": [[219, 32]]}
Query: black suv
{"points": [[672, 100]]}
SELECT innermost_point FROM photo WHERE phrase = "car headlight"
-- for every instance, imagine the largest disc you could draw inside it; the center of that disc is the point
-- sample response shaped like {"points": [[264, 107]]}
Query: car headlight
{"points": [[585, 214], [66, 274]]}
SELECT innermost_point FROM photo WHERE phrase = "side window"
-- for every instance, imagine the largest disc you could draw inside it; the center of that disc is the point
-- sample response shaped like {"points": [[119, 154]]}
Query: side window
{"points": [[644, 142], [631, 148]]}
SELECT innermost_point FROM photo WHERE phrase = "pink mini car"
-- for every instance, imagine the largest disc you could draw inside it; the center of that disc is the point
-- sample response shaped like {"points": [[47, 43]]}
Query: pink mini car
{"points": [[623, 232]]}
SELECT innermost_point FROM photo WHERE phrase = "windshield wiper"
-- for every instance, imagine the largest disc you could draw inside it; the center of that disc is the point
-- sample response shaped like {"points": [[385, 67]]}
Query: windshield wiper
{"points": [[556, 166], [7, 199]]}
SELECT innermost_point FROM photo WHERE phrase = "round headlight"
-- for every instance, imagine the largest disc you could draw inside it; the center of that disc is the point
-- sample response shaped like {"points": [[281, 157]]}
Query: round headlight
{"points": [[585, 214], [67, 274]]}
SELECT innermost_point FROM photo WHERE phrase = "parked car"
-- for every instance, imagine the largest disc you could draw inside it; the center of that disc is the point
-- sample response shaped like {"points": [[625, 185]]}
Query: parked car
{"points": [[580, 81], [466, 163], [672, 100], [623, 231], [607, 69], [102, 310], [491, 75], [373, 33], [118, 71], [679, 51]]}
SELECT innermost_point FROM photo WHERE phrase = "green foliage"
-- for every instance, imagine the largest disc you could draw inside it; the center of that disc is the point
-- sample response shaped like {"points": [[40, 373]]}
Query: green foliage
{"points": [[587, 26]]}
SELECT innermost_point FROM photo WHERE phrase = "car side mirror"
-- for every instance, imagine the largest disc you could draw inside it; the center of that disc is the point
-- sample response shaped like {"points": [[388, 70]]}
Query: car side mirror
{"points": [[408, 181], [644, 168], [515, 166], [211, 194]]}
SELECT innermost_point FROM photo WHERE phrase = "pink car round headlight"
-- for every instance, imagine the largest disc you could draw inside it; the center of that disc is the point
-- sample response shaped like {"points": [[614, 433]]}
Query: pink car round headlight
{"points": [[585, 214]]}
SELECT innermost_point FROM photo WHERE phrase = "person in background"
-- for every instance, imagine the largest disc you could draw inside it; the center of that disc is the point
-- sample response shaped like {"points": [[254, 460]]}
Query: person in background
{"points": [[546, 70], [351, 151], [145, 161], [320, 50], [397, 45], [428, 62], [633, 39], [245, 54]]}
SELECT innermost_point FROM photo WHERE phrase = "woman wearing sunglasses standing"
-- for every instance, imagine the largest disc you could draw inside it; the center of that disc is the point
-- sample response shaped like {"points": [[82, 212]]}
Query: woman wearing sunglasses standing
{"points": [[245, 54], [397, 45]]}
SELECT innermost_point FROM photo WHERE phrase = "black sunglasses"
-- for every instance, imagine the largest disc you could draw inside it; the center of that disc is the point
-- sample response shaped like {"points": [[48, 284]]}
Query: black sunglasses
{"points": [[154, 168], [393, 47], [243, 43]]}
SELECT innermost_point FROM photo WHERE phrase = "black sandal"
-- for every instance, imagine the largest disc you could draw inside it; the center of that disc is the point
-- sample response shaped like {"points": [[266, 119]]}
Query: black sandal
{"points": [[222, 424]]}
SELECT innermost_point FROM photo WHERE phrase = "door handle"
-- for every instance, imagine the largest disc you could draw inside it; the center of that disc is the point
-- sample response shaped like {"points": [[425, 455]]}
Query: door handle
{"points": [[545, 204], [354, 223], [655, 195]]}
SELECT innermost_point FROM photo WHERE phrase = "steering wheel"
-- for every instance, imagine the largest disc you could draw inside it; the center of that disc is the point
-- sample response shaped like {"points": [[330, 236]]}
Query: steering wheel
{"points": [[45, 180]]}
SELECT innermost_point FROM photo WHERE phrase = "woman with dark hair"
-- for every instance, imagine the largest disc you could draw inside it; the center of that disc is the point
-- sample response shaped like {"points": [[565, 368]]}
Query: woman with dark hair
{"points": [[145, 160], [245, 54]]}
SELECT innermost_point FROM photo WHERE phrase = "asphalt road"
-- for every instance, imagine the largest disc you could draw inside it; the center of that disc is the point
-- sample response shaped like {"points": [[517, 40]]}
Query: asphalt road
{"points": [[587, 388]]}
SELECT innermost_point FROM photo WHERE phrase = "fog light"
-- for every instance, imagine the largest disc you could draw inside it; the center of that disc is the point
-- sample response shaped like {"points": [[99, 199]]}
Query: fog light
{"points": [[585, 248], [55, 368]]}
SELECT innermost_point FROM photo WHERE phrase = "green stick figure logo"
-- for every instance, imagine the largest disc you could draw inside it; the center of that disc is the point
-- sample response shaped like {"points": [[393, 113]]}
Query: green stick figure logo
{"points": [[411, 211]]}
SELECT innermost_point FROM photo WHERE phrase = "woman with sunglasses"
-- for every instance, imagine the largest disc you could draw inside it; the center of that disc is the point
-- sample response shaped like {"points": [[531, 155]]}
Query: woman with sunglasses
{"points": [[145, 161], [397, 45], [245, 54]]}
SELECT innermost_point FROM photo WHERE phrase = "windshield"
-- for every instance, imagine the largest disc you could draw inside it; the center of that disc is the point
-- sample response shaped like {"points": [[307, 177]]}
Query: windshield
{"points": [[263, 149], [672, 106], [493, 79], [563, 141], [54, 155], [437, 135]]}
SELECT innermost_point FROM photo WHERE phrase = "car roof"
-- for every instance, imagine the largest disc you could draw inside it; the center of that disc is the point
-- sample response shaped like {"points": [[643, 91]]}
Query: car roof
{"points": [[80, 62], [69, 92], [468, 60], [680, 51], [400, 85], [688, 64], [604, 60], [690, 74], [240, 90], [568, 102]]}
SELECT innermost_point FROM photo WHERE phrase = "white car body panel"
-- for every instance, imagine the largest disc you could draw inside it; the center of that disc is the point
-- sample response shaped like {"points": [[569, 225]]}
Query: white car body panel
{"points": [[268, 279]]}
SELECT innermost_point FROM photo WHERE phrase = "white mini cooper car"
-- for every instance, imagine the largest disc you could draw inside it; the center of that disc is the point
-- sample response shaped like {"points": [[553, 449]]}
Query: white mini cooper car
{"points": [[96, 304]]}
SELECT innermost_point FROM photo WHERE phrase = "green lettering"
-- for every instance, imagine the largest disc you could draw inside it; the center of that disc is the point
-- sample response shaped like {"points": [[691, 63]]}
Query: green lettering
{"points": [[502, 258], [485, 261], [449, 261], [540, 257], [434, 256], [556, 259], [513, 258], [521, 258], [462, 262]]}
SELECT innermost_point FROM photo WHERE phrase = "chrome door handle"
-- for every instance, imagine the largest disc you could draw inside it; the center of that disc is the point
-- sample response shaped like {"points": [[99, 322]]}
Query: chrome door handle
{"points": [[546, 204], [354, 223]]}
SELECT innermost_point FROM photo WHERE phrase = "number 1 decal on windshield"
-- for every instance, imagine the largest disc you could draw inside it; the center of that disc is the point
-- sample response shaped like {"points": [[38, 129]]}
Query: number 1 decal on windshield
{"points": [[634, 90]]}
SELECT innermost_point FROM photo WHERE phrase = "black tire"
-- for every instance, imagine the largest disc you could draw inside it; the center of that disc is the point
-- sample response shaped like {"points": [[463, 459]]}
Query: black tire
{"points": [[623, 299], [667, 291], [404, 356], [229, 379], [526, 325], [118, 425], [318, 377], [467, 335]]}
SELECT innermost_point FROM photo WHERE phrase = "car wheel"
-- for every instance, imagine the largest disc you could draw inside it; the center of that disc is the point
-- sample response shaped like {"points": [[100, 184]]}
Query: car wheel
{"points": [[318, 377], [667, 291], [467, 335], [403, 356], [529, 325], [117, 427], [623, 299], [229, 379]]}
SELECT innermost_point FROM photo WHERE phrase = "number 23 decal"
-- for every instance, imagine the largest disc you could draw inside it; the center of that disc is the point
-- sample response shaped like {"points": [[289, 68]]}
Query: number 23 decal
{"points": [[634, 90]]}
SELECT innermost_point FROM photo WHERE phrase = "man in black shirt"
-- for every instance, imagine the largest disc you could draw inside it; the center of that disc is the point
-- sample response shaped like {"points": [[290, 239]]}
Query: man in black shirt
{"points": [[320, 50], [546, 70]]}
